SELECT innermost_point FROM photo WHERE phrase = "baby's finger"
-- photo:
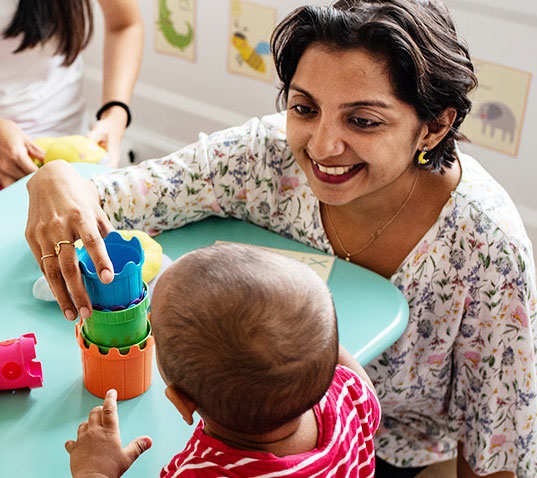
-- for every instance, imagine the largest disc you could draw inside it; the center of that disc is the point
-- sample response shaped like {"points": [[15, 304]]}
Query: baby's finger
{"points": [[110, 418], [95, 417], [81, 429], [69, 445], [137, 446]]}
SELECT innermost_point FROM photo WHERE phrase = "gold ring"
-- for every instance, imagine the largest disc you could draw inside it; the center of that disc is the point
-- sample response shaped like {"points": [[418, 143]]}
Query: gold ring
{"points": [[47, 255], [57, 247]]}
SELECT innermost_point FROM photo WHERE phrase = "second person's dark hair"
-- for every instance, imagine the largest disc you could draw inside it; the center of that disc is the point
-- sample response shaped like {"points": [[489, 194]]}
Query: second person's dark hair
{"points": [[69, 22], [430, 67]]}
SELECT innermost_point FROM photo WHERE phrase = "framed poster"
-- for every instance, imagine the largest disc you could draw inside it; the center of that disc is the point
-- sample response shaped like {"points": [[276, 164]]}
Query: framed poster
{"points": [[499, 104], [248, 51], [174, 28]]}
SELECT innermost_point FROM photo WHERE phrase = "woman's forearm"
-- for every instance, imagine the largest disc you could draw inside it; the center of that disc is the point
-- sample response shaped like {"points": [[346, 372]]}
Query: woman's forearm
{"points": [[123, 47]]}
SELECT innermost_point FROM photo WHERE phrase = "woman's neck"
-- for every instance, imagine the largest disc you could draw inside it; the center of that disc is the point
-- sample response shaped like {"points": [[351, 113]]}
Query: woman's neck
{"points": [[297, 436]]}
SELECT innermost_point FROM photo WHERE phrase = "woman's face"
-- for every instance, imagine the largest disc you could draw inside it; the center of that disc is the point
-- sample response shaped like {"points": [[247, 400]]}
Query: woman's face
{"points": [[349, 133]]}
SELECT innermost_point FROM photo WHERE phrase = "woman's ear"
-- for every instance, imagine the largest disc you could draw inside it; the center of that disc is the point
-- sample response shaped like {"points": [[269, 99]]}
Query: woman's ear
{"points": [[184, 405], [437, 129]]}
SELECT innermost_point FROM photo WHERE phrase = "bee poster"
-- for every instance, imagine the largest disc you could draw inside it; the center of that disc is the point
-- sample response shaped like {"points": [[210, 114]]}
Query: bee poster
{"points": [[248, 49], [499, 103], [174, 29]]}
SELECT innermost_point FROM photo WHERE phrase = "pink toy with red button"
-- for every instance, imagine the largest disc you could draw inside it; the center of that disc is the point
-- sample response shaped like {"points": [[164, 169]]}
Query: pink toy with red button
{"points": [[17, 368]]}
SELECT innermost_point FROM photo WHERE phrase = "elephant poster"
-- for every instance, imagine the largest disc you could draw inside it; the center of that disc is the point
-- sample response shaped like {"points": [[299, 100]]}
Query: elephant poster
{"points": [[174, 30], [499, 103]]}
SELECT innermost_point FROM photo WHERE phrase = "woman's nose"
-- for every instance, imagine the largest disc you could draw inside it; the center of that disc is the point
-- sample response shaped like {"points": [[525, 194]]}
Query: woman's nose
{"points": [[325, 141]]}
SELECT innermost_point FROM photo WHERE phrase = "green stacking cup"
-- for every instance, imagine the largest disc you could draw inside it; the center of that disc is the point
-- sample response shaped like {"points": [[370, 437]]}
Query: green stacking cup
{"points": [[122, 350], [121, 328]]}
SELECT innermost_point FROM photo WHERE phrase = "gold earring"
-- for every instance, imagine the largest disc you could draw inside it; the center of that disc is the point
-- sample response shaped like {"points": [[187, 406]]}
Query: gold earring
{"points": [[421, 157]]}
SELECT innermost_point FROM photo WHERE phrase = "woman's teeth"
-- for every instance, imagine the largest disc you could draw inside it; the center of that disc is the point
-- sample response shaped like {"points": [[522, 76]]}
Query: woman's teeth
{"points": [[334, 171]]}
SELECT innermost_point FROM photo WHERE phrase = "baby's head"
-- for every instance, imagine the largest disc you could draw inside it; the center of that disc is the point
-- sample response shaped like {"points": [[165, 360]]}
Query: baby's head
{"points": [[247, 335]]}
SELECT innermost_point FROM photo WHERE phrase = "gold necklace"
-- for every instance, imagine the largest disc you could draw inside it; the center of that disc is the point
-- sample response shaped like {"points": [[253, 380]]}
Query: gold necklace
{"points": [[378, 232]]}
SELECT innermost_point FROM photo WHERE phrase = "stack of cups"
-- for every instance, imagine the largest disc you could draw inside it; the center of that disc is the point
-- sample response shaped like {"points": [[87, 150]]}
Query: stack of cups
{"points": [[116, 341]]}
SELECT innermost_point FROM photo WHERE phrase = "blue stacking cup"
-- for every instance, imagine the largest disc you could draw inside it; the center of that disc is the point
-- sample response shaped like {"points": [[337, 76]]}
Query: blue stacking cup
{"points": [[127, 258]]}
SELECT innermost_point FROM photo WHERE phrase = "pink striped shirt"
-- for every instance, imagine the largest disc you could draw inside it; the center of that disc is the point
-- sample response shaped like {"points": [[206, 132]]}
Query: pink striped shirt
{"points": [[347, 417]]}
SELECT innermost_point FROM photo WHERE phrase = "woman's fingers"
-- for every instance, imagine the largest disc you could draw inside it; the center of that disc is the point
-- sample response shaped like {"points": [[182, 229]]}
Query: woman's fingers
{"points": [[19, 164], [52, 271], [94, 244], [69, 278], [34, 150]]}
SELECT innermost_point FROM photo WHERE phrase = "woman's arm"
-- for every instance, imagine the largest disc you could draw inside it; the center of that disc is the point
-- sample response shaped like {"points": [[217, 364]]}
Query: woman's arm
{"points": [[122, 55]]}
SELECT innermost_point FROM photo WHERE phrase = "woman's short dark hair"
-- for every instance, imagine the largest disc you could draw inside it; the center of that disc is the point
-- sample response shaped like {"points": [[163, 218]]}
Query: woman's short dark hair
{"points": [[430, 67], [69, 22]]}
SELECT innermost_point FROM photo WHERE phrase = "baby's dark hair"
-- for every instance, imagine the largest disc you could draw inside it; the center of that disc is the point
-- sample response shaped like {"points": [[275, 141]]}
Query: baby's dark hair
{"points": [[429, 65], [248, 335]]}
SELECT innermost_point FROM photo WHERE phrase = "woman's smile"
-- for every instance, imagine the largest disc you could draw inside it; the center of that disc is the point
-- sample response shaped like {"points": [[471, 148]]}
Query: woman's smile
{"points": [[335, 174]]}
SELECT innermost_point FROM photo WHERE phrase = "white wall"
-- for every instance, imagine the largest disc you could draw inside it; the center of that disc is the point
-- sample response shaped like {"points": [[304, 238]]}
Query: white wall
{"points": [[175, 99], [507, 35]]}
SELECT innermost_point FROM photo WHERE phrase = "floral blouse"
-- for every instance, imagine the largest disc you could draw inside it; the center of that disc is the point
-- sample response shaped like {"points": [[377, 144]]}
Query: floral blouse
{"points": [[464, 369]]}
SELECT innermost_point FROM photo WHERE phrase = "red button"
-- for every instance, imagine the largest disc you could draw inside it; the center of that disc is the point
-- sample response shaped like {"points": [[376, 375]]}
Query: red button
{"points": [[11, 371]]}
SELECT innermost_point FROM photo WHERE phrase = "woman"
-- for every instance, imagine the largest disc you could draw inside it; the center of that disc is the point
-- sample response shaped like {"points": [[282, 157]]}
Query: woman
{"points": [[364, 164], [41, 75]]}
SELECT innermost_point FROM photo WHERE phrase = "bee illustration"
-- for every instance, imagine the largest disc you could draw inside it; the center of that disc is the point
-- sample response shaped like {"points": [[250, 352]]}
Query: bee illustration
{"points": [[252, 57]]}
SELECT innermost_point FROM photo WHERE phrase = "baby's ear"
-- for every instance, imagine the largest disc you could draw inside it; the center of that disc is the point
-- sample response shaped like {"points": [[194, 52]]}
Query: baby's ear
{"points": [[184, 405]]}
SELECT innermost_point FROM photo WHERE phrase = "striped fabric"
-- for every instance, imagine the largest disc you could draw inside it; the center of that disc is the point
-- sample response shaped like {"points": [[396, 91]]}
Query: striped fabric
{"points": [[347, 417]]}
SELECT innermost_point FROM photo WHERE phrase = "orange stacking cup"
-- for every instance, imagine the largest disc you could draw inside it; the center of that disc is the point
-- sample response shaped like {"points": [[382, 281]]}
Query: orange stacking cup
{"points": [[129, 374]]}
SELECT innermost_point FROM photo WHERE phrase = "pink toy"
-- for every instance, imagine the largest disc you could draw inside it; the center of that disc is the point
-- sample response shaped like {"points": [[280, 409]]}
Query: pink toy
{"points": [[17, 368]]}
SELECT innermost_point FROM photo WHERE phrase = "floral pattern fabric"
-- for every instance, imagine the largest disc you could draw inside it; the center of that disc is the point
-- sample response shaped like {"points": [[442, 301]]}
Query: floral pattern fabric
{"points": [[464, 369]]}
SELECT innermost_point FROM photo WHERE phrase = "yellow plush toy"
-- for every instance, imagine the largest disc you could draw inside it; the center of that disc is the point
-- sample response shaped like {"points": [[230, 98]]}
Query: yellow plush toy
{"points": [[152, 253], [73, 149]]}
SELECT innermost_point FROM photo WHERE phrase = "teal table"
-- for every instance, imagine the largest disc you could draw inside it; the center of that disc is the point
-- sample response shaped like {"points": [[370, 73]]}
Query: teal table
{"points": [[35, 424]]}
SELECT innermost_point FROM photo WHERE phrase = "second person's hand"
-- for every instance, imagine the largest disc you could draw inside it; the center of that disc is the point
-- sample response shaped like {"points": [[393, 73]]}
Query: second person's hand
{"points": [[15, 150], [65, 207]]}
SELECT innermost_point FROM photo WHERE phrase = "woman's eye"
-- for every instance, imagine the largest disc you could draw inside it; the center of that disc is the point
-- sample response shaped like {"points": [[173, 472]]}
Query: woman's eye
{"points": [[364, 122], [302, 109]]}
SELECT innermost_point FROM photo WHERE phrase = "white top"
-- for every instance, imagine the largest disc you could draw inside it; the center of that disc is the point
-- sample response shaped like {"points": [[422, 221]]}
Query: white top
{"points": [[39, 94]]}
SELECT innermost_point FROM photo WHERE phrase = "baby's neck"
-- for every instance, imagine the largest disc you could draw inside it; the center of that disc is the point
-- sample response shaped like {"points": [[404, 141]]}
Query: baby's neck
{"points": [[297, 436]]}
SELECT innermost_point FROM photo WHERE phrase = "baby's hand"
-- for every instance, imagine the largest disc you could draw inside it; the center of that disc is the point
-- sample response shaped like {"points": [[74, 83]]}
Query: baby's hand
{"points": [[97, 451]]}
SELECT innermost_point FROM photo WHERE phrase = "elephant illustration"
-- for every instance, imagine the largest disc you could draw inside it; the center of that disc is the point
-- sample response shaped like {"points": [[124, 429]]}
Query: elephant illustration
{"points": [[497, 115]]}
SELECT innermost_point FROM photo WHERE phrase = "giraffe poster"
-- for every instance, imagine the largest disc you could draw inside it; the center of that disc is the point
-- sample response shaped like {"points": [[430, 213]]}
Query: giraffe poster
{"points": [[499, 103], [175, 28], [250, 29]]}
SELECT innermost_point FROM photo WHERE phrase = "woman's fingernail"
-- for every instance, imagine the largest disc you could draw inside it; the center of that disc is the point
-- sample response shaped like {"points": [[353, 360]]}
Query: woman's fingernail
{"points": [[106, 275], [84, 312], [69, 314]]}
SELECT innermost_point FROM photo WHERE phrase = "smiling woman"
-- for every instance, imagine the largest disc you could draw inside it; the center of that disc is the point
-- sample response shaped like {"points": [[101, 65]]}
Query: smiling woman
{"points": [[364, 164]]}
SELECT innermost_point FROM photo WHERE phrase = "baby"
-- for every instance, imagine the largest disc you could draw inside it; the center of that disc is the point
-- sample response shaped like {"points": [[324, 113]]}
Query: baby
{"points": [[247, 339]]}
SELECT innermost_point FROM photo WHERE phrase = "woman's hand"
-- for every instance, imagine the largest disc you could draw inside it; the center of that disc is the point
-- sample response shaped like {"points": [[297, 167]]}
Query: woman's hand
{"points": [[15, 150], [108, 131], [97, 451], [65, 207]]}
